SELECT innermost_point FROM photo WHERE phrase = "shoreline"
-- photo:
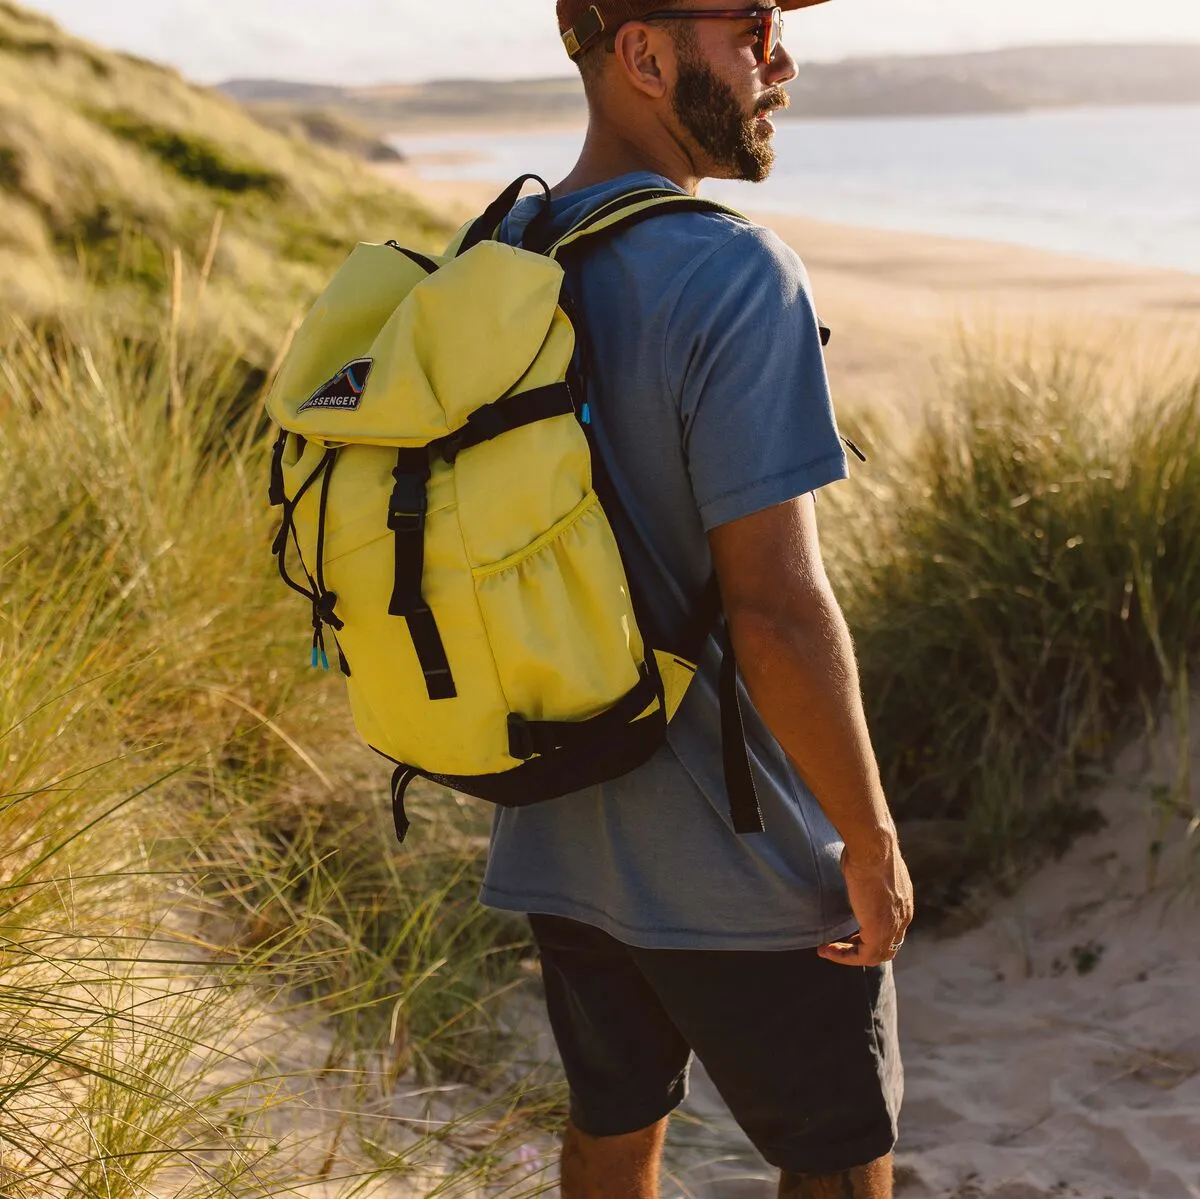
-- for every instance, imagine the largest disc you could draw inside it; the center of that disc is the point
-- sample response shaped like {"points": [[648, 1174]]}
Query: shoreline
{"points": [[901, 304]]}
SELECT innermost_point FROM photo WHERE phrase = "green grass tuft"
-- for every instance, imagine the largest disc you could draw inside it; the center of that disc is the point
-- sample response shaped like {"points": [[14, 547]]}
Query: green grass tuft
{"points": [[1025, 590], [191, 157]]}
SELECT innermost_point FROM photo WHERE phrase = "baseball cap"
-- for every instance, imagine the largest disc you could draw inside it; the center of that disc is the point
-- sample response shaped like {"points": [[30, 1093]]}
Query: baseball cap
{"points": [[582, 21]]}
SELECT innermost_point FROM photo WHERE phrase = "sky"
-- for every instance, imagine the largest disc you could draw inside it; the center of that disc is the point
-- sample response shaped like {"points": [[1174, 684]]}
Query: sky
{"points": [[354, 42]]}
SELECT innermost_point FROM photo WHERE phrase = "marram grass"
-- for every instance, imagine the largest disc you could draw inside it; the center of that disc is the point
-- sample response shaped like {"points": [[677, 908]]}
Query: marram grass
{"points": [[1023, 579], [206, 930], [218, 974]]}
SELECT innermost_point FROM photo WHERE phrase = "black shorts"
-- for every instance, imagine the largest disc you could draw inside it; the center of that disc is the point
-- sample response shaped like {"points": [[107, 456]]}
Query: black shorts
{"points": [[804, 1052]]}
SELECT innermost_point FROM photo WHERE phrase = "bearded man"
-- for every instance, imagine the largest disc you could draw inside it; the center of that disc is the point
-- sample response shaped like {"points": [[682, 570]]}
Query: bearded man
{"points": [[663, 934]]}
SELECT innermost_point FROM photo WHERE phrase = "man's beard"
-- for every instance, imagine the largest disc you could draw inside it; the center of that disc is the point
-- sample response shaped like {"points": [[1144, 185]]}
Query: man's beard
{"points": [[709, 110]]}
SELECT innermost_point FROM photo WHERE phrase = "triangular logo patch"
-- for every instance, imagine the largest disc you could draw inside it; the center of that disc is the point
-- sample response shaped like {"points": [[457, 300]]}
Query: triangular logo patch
{"points": [[344, 392]]}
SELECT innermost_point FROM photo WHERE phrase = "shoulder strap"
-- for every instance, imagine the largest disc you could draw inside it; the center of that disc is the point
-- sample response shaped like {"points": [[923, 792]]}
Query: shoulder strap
{"points": [[488, 225], [631, 209]]}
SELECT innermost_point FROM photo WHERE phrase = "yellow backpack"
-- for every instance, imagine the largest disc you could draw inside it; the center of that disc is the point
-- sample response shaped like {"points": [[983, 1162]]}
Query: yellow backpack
{"points": [[437, 480]]}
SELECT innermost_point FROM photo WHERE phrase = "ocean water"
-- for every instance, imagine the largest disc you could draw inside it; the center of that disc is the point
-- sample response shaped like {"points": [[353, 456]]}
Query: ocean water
{"points": [[1115, 184]]}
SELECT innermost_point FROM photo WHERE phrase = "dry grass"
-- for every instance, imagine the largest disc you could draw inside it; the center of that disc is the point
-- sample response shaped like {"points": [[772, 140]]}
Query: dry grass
{"points": [[206, 932], [109, 163], [1025, 589]]}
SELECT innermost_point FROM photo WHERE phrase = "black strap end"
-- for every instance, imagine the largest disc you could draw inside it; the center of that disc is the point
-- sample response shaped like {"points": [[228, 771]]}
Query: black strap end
{"points": [[744, 804], [401, 781]]}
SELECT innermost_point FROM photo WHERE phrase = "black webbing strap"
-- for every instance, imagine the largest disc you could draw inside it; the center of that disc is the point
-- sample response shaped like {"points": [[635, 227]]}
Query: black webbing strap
{"points": [[707, 619], [540, 234], [278, 494], [401, 781], [739, 776], [426, 263], [702, 623], [407, 514], [489, 224], [490, 422], [528, 738], [631, 219]]}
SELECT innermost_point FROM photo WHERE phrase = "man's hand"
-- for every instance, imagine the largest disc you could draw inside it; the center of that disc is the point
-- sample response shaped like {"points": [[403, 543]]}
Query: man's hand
{"points": [[881, 895]]}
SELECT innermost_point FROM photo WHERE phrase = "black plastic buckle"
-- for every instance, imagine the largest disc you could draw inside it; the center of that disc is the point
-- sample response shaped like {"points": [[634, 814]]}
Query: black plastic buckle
{"points": [[520, 739], [278, 495], [409, 504], [450, 447]]}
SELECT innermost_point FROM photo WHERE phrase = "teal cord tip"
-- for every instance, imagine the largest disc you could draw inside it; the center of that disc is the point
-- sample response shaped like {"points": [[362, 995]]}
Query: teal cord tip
{"points": [[324, 660], [316, 659], [586, 414]]}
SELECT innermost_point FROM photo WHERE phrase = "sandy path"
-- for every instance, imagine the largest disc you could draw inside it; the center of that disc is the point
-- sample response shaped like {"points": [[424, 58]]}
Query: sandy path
{"points": [[1054, 1052]]}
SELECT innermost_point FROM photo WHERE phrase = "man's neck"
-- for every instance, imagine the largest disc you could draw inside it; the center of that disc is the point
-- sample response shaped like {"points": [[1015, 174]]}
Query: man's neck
{"points": [[608, 153]]}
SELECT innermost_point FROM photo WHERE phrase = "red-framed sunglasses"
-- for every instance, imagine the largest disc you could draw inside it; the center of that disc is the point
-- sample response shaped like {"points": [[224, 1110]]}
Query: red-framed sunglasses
{"points": [[770, 24]]}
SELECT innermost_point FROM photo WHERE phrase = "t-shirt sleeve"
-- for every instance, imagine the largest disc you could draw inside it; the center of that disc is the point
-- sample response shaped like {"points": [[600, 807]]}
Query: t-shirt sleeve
{"points": [[744, 360]]}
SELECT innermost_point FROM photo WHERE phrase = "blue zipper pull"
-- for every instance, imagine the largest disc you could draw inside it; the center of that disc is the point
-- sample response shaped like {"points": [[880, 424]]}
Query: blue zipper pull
{"points": [[586, 414]]}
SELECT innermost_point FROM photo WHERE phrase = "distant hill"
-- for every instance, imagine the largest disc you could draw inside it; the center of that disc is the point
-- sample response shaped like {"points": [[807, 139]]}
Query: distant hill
{"points": [[998, 81], [108, 163]]}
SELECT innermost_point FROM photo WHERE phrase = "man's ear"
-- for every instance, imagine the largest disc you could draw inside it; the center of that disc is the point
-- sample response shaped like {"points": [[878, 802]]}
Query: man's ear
{"points": [[645, 56]]}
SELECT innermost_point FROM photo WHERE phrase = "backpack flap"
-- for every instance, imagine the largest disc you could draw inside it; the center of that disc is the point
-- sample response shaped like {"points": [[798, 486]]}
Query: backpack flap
{"points": [[418, 371], [338, 332]]}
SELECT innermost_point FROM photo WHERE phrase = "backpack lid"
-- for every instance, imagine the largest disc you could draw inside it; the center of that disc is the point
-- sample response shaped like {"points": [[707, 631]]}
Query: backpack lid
{"points": [[395, 355]]}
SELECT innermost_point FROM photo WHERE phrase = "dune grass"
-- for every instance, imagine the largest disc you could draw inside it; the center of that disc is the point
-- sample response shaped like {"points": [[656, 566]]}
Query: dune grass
{"points": [[206, 930], [109, 163], [207, 933], [219, 975], [1024, 584]]}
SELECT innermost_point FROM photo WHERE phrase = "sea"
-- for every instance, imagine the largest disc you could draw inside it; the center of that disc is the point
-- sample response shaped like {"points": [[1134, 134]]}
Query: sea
{"points": [[1112, 184]]}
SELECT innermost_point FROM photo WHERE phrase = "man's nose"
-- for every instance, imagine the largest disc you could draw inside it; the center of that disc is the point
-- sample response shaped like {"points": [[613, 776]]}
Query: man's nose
{"points": [[782, 68]]}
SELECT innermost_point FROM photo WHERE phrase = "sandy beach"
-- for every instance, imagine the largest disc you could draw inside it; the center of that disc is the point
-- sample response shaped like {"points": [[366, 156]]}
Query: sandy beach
{"points": [[899, 302]]}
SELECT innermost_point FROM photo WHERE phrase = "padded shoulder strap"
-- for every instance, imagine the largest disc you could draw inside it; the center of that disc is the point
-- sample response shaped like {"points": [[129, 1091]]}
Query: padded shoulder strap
{"points": [[631, 209]]}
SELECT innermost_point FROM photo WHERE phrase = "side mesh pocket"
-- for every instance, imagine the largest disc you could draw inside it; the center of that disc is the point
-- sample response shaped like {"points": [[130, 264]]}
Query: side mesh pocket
{"points": [[560, 620]]}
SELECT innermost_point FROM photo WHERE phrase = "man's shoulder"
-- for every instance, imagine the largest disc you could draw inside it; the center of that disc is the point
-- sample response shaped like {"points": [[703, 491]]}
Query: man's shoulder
{"points": [[690, 258], [705, 233]]}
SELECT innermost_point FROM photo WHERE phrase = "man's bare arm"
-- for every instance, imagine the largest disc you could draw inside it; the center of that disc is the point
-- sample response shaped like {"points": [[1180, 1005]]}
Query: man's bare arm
{"points": [[797, 659]]}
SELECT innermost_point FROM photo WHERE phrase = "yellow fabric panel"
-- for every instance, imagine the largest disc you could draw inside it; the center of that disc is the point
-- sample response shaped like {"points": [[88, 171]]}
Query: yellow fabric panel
{"points": [[513, 489], [467, 735], [430, 371], [342, 326], [553, 359], [424, 334], [457, 240], [561, 622]]}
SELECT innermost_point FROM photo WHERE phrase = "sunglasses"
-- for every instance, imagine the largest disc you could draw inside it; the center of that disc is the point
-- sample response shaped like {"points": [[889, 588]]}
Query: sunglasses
{"points": [[769, 20]]}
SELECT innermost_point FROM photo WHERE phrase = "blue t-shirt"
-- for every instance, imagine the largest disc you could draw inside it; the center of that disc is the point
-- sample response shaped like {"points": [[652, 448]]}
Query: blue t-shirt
{"points": [[710, 403]]}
